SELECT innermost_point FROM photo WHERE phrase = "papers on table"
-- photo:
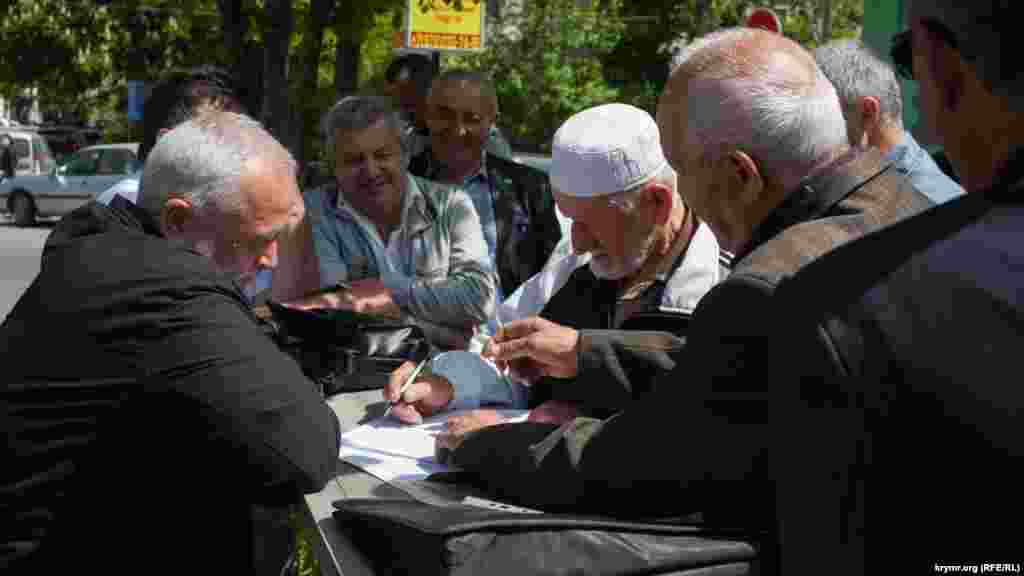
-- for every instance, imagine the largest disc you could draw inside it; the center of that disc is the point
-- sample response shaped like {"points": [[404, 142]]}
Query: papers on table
{"points": [[390, 450]]}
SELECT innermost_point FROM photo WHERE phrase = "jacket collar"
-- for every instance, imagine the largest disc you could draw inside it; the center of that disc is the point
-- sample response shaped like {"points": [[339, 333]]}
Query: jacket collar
{"points": [[818, 194], [435, 167], [134, 216]]}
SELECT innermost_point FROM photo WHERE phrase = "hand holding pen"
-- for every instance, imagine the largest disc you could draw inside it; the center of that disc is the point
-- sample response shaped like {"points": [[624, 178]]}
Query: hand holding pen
{"points": [[414, 393]]}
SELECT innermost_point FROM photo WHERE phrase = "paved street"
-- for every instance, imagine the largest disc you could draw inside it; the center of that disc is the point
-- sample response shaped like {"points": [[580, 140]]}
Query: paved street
{"points": [[19, 260]]}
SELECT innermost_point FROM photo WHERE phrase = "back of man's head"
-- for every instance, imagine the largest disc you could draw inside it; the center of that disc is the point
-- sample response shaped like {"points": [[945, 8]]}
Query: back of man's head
{"points": [[177, 95], [985, 33], [203, 159], [756, 91], [857, 72]]}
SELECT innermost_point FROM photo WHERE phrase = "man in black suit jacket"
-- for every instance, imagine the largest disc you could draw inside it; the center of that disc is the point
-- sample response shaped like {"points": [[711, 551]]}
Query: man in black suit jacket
{"points": [[926, 320], [778, 194]]}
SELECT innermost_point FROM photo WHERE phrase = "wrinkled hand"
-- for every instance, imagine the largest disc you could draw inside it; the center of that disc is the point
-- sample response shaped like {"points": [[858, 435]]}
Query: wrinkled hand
{"points": [[424, 397], [535, 347], [459, 426]]}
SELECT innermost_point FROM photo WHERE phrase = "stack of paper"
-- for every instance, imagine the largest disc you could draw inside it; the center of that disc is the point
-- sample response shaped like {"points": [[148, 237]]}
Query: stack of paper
{"points": [[391, 450]]}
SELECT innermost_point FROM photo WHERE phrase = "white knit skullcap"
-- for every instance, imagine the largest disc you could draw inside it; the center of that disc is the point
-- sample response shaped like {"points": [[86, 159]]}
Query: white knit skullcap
{"points": [[604, 150]]}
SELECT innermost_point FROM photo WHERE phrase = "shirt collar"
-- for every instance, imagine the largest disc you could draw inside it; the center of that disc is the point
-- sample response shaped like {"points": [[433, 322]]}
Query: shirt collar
{"points": [[435, 168], [416, 214], [900, 150]]}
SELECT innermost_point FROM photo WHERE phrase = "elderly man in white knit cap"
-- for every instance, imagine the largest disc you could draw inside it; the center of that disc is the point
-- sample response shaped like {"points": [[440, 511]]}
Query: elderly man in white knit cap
{"points": [[650, 261]]}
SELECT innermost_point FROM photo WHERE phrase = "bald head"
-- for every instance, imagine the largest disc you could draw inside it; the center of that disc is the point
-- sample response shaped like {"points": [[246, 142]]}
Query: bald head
{"points": [[755, 92]]}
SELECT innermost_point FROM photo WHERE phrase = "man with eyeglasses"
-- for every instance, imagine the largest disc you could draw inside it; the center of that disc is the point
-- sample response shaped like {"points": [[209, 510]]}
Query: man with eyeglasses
{"points": [[873, 108], [756, 133], [514, 201], [931, 315]]}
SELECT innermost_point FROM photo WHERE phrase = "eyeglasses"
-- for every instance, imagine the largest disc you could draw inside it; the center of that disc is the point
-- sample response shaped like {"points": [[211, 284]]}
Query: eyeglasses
{"points": [[902, 50]]}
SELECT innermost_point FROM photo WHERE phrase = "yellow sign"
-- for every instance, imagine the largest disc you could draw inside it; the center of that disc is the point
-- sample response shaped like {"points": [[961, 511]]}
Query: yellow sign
{"points": [[446, 25]]}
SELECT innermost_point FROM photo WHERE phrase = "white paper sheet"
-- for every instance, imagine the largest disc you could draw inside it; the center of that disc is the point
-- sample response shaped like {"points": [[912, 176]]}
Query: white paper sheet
{"points": [[390, 450]]}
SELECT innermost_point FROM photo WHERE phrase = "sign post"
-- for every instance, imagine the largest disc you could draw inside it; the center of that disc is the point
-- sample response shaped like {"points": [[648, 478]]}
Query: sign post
{"points": [[764, 18], [449, 25], [136, 96]]}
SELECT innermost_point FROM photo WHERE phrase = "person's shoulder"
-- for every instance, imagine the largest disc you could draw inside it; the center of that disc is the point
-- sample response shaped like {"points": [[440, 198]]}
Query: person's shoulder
{"points": [[943, 234], [516, 170]]}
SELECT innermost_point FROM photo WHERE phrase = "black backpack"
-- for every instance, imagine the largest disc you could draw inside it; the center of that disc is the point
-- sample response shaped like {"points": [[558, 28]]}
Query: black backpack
{"points": [[344, 351]]}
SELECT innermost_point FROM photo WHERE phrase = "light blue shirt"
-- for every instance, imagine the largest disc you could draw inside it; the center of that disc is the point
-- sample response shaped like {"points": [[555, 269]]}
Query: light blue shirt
{"points": [[127, 189], [478, 188], [918, 166]]}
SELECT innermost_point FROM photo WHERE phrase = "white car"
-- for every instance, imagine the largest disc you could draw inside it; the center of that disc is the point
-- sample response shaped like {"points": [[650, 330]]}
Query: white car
{"points": [[81, 178]]}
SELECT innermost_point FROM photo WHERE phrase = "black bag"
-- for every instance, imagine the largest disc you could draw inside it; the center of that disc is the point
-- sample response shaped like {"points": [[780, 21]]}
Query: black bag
{"points": [[344, 351], [413, 537]]}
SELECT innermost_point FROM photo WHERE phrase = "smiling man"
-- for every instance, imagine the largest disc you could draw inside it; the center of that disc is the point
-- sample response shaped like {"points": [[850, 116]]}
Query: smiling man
{"points": [[513, 201], [407, 246]]}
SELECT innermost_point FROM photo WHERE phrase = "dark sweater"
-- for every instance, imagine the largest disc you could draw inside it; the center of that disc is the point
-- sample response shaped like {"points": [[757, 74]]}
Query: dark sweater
{"points": [[144, 409]]}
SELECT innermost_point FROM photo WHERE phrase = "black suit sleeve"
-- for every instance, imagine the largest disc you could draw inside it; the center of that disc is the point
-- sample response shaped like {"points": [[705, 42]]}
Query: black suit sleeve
{"points": [[617, 367], [706, 438], [266, 425]]}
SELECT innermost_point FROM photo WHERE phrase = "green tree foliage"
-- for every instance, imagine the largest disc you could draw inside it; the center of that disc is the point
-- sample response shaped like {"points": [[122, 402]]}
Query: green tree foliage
{"points": [[640, 62], [546, 62]]}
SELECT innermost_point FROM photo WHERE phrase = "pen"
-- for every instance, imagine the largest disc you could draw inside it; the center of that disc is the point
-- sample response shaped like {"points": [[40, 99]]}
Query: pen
{"points": [[408, 382]]}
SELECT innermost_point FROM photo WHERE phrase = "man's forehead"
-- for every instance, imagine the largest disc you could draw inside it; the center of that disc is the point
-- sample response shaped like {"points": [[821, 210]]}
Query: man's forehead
{"points": [[376, 135], [269, 191], [460, 95]]}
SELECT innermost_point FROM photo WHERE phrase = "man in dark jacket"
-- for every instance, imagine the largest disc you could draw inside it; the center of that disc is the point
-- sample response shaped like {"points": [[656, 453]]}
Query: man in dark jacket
{"points": [[926, 322], [513, 201], [778, 195], [166, 411]]}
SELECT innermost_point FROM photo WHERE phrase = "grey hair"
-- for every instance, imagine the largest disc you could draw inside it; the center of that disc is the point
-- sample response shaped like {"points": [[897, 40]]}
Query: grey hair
{"points": [[203, 159], [736, 102], [986, 35], [357, 113], [857, 71]]}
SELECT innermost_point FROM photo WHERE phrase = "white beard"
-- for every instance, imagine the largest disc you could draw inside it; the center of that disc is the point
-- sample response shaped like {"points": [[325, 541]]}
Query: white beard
{"points": [[599, 263]]}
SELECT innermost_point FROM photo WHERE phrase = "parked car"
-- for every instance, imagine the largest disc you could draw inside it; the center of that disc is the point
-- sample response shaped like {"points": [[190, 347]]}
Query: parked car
{"points": [[84, 176], [31, 152]]}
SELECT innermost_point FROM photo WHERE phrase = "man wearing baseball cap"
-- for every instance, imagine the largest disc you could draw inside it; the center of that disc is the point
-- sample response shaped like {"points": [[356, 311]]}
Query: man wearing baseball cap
{"points": [[650, 261]]}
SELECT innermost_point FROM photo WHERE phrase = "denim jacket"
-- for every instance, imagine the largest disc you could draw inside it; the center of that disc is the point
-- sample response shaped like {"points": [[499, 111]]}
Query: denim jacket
{"points": [[918, 166], [440, 276]]}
